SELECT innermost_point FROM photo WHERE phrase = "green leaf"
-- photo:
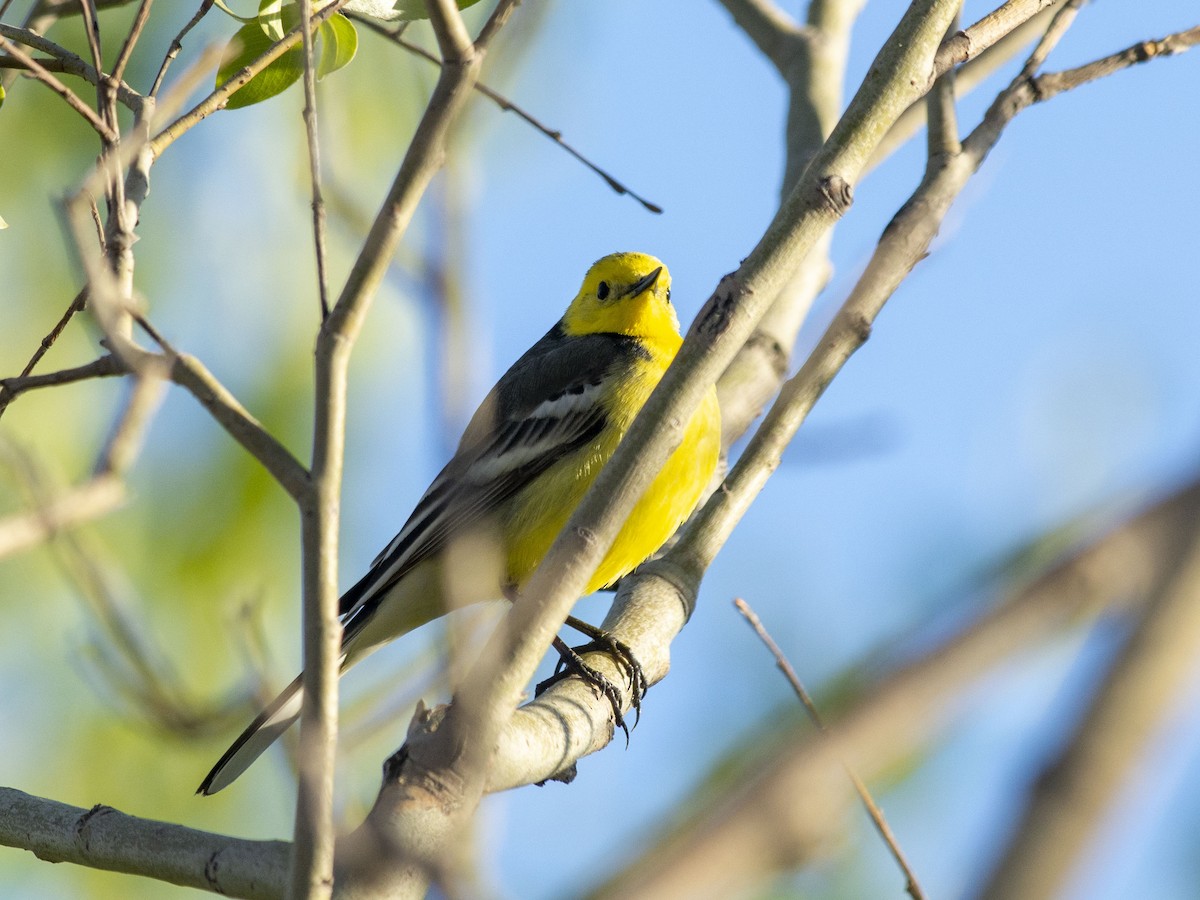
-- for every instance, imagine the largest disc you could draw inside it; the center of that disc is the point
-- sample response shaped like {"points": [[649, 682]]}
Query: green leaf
{"points": [[339, 43], [247, 44], [220, 4], [376, 9], [273, 20], [415, 9]]}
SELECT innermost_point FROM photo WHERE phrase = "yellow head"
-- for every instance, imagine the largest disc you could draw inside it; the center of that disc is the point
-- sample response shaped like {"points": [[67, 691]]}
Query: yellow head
{"points": [[625, 293]]}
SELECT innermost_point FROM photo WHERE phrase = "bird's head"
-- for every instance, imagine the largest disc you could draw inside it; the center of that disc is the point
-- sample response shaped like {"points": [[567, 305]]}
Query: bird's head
{"points": [[625, 293]]}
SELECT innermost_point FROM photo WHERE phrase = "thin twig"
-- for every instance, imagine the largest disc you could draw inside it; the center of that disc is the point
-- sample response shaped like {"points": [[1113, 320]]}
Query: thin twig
{"points": [[103, 367], [219, 97], [1024, 92], [507, 105], [314, 157], [7, 393], [40, 73], [967, 77], [177, 45], [942, 133], [131, 39], [969, 43], [881, 825], [1054, 83], [90, 500], [65, 61], [91, 27]]}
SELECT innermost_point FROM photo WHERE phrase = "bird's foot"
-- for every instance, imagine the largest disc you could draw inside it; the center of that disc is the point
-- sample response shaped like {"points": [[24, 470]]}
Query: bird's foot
{"points": [[571, 662]]}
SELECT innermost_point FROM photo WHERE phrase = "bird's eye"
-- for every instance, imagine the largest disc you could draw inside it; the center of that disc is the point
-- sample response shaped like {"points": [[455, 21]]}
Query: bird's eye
{"points": [[602, 290], [668, 295]]}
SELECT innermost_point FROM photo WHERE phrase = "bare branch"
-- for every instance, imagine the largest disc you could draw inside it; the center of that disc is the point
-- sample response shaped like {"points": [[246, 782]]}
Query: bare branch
{"points": [[1068, 802], [943, 120], [1025, 91], [103, 367], [507, 105], [90, 500], [967, 78], [64, 61], [218, 98], [741, 834], [177, 45], [440, 785], [1052, 84], [312, 871], [310, 876], [40, 73], [877, 818], [103, 838], [968, 44], [314, 156], [776, 34]]}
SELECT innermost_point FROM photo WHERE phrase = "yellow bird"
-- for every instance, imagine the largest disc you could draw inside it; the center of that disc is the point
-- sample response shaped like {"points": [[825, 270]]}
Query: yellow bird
{"points": [[530, 452]]}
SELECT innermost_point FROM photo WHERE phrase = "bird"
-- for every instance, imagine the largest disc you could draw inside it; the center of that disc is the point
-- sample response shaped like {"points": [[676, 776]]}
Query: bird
{"points": [[525, 460]]}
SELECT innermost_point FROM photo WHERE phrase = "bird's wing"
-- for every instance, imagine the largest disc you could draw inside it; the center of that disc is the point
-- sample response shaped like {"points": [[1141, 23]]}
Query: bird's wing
{"points": [[544, 408]]}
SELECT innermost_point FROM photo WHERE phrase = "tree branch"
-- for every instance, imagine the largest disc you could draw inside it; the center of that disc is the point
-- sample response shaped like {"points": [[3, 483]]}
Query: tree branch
{"points": [[219, 97], [1070, 799], [314, 156], [911, 885], [815, 77], [40, 73], [103, 838], [90, 500], [507, 105], [755, 825], [312, 871], [968, 44], [776, 34], [967, 78], [63, 60], [435, 780]]}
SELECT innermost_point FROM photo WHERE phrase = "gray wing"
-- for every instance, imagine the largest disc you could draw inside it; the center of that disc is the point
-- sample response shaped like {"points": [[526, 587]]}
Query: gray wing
{"points": [[544, 408]]}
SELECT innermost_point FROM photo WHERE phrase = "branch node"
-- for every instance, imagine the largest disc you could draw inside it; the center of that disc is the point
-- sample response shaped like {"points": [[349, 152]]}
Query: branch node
{"points": [[837, 194], [212, 869], [714, 320], [84, 821], [859, 325], [587, 537]]}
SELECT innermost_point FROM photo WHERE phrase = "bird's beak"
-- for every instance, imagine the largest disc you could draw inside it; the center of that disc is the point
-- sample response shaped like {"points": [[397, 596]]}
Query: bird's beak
{"points": [[644, 284]]}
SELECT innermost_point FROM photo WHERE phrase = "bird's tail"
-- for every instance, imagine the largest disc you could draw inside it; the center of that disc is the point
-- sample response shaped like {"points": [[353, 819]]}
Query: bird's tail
{"points": [[258, 736], [375, 611]]}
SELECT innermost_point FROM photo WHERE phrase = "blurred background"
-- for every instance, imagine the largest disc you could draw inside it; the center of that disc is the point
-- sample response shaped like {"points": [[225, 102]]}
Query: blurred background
{"points": [[1037, 371]]}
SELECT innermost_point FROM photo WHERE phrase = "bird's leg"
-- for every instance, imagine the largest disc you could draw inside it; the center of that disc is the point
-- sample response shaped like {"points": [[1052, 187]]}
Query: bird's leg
{"points": [[620, 652], [571, 662]]}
